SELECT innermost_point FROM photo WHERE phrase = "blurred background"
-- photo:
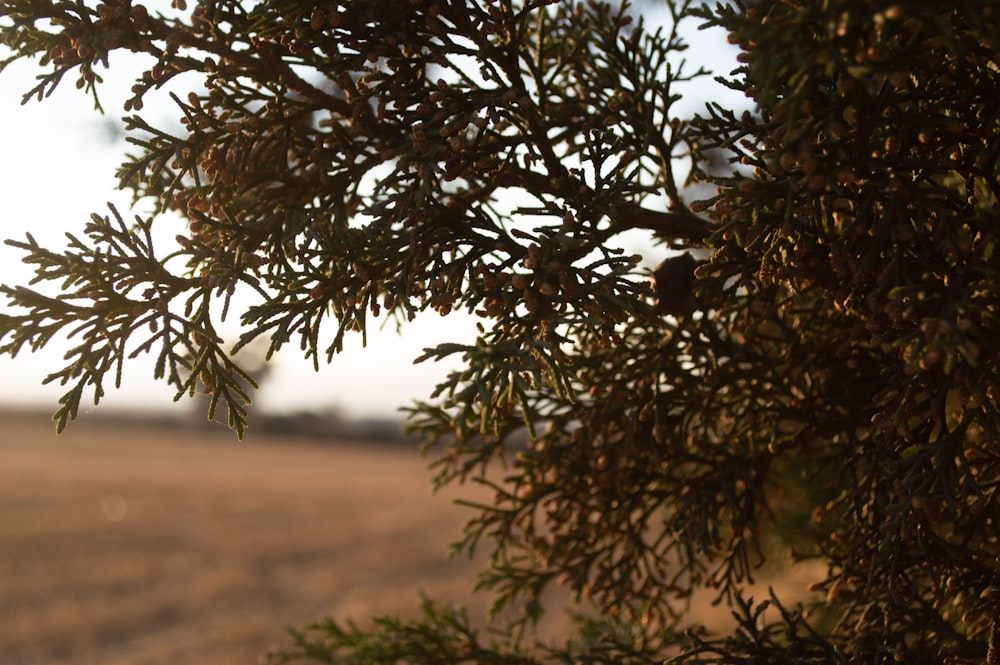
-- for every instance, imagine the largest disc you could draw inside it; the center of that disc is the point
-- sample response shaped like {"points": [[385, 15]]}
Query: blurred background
{"points": [[137, 544]]}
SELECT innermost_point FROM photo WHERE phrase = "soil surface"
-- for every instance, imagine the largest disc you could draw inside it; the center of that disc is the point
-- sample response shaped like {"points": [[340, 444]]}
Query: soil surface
{"points": [[146, 546]]}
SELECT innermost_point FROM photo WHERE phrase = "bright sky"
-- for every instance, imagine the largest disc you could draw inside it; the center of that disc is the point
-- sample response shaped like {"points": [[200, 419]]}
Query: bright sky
{"points": [[57, 166]]}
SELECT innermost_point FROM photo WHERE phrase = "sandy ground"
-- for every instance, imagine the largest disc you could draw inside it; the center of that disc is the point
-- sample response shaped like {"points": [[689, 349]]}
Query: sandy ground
{"points": [[122, 544]]}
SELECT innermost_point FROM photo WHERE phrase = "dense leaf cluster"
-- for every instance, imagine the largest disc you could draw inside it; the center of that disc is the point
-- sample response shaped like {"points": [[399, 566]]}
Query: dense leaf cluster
{"points": [[867, 233], [829, 384]]}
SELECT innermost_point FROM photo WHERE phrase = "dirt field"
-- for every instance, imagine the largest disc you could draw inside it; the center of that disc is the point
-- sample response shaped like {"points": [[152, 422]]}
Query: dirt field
{"points": [[133, 545], [121, 544]]}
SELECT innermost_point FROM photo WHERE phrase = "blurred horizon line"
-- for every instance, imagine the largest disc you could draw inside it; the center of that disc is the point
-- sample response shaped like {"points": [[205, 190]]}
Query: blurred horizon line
{"points": [[331, 424]]}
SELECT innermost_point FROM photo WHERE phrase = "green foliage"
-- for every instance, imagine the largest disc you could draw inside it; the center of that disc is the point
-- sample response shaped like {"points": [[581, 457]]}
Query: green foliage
{"points": [[829, 386], [445, 635], [98, 303]]}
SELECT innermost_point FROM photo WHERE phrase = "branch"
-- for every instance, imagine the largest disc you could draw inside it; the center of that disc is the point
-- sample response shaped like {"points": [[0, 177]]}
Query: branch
{"points": [[672, 224], [678, 224], [270, 69]]}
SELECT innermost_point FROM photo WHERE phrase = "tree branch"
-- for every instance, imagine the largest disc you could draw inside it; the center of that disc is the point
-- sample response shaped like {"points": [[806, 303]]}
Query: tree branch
{"points": [[624, 214]]}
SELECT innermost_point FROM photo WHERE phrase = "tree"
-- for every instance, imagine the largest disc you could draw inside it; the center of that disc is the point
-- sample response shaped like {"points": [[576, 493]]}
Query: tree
{"points": [[826, 383]]}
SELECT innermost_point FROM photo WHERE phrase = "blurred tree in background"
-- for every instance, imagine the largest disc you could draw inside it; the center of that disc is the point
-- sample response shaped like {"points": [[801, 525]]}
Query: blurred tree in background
{"points": [[820, 376]]}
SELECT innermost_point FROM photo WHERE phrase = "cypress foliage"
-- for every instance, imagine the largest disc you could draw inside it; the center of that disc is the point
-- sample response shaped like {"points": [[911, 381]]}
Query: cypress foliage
{"points": [[819, 375]]}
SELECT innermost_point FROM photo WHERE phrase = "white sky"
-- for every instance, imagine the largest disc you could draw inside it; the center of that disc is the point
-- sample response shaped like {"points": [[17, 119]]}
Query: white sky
{"points": [[57, 166]]}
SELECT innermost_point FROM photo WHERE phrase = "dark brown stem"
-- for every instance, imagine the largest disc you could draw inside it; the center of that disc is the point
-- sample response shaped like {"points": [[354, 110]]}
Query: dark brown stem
{"points": [[625, 215]]}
